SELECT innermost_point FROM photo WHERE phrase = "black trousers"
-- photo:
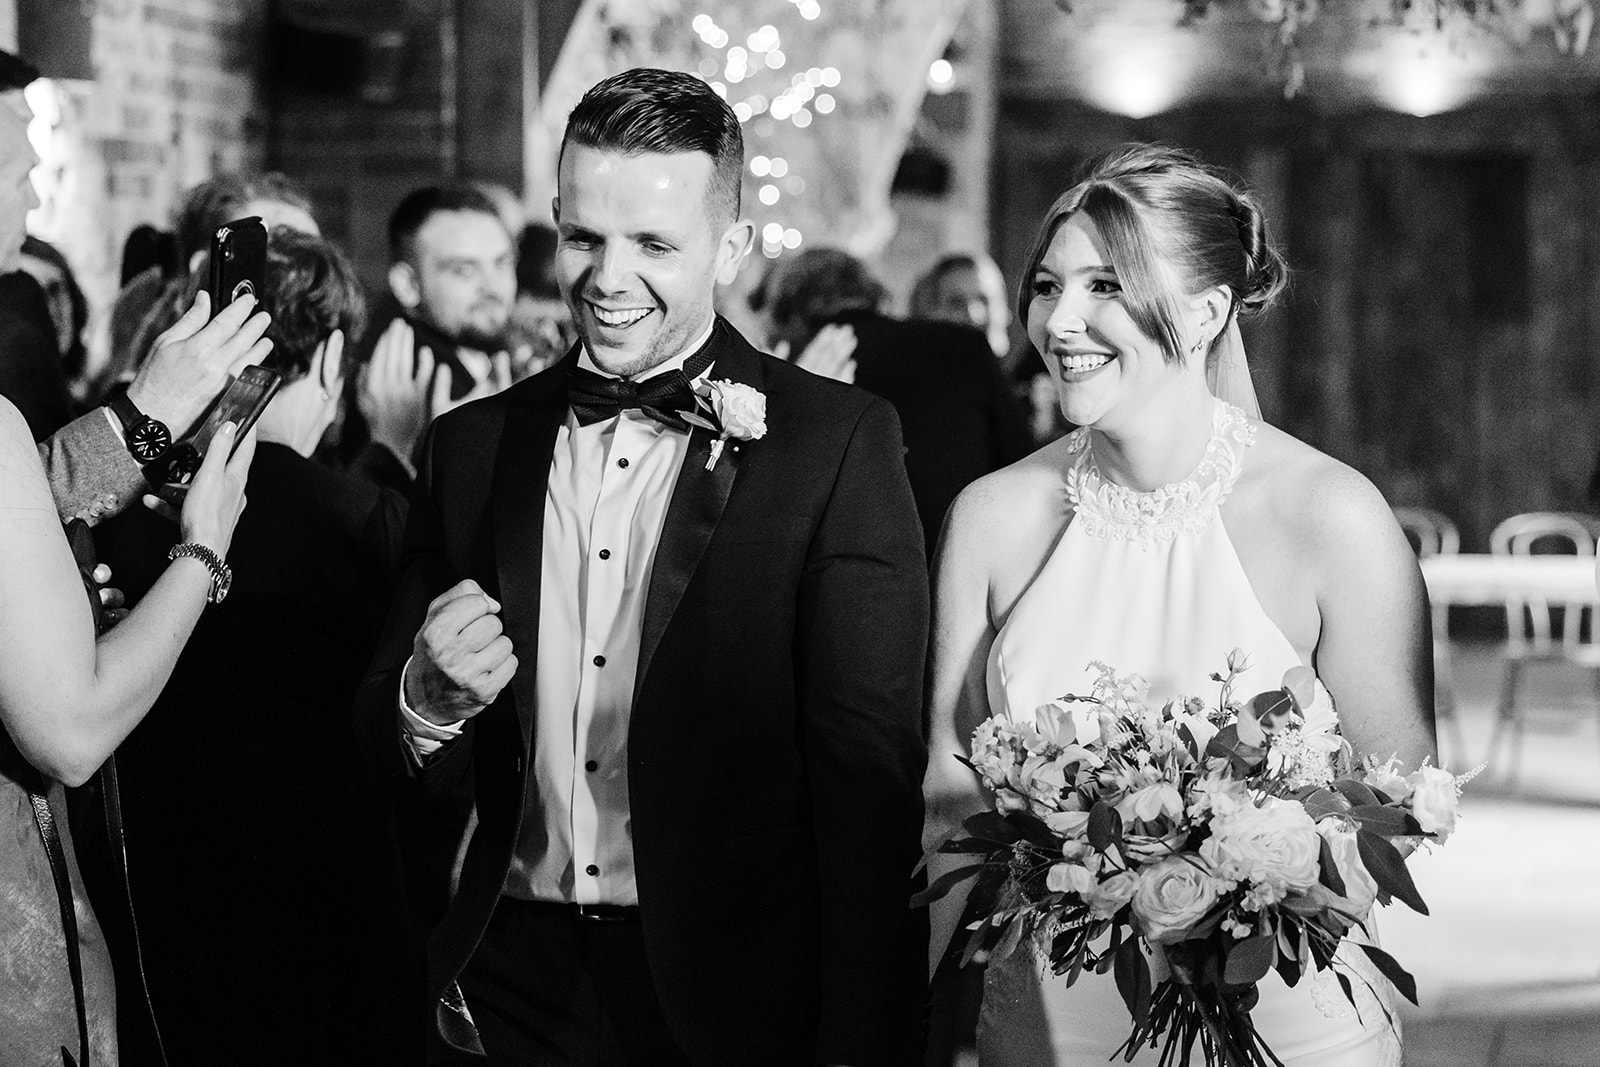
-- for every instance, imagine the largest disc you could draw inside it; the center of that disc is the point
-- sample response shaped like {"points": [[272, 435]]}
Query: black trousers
{"points": [[548, 988]]}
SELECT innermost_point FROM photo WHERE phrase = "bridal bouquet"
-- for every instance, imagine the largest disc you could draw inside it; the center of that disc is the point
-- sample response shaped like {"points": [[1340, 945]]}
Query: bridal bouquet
{"points": [[1227, 840]]}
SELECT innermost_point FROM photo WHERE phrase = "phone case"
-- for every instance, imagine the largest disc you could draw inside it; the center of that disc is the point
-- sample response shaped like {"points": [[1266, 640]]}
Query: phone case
{"points": [[242, 402], [238, 261]]}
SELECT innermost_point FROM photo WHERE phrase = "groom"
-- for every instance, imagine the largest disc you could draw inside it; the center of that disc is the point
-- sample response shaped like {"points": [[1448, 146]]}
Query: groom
{"points": [[652, 690]]}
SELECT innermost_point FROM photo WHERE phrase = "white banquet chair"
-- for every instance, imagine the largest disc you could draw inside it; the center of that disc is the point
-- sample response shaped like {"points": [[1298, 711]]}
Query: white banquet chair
{"points": [[1531, 624]]}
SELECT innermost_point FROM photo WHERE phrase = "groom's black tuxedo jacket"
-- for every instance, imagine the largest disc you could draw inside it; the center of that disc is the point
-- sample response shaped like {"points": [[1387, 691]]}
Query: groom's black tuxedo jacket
{"points": [[775, 754]]}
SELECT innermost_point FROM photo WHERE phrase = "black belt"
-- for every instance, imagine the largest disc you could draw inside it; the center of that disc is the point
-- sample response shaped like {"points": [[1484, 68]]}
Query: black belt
{"points": [[595, 913]]}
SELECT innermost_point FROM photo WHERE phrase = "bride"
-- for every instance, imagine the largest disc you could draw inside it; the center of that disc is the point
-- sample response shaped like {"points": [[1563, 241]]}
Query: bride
{"points": [[1170, 529]]}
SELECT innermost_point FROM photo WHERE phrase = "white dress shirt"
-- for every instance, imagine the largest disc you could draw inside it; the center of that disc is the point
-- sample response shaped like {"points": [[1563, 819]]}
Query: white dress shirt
{"points": [[605, 505]]}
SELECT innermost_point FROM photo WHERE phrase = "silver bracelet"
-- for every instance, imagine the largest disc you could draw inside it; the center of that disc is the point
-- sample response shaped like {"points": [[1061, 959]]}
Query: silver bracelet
{"points": [[221, 573]]}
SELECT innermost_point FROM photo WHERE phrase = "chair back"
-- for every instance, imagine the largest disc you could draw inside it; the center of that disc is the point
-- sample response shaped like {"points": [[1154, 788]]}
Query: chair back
{"points": [[1430, 532], [1528, 622]]}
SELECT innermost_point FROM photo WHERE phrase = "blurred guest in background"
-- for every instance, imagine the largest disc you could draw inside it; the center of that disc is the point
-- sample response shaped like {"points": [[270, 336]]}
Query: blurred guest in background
{"points": [[453, 271], [969, 288], [443, 341], [69, 310], [144, 308], [281, 939], [31, 374], [148, 247], [966, 288], [957, 415], [541, 327]]}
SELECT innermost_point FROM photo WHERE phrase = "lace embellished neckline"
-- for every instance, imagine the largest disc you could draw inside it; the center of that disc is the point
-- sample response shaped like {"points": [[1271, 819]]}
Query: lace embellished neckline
{"points": [[1108, 511]]}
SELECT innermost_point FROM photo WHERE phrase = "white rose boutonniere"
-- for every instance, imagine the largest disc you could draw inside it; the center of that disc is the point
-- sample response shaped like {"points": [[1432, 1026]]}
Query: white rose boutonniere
{"points": [[730, 410]]}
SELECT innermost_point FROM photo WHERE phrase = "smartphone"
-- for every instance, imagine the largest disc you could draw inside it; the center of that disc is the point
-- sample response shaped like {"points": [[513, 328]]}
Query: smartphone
{"points": [[238, 261], [242, 402]]}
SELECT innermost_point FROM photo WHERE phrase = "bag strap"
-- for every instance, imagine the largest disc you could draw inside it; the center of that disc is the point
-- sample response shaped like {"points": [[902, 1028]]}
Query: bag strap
{"points": [[111, 796], [69, 921]]}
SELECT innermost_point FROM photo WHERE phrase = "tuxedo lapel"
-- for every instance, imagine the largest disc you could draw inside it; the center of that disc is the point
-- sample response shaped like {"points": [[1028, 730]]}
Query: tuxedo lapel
{"points": [[698, 499], [521, 478]]}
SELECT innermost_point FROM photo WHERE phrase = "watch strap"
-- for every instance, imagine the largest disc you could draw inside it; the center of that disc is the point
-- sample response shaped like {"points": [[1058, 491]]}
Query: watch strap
{"points": [[133, 420], [221, 573]]}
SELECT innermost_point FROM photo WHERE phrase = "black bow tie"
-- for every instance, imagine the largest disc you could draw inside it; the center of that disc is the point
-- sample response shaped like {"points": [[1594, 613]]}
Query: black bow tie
{"points": [[595, 397]]}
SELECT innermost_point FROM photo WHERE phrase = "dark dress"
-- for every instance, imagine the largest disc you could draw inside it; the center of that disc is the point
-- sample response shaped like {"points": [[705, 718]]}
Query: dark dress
{"points": [[31, 373], [958, 415], [262, 859]]}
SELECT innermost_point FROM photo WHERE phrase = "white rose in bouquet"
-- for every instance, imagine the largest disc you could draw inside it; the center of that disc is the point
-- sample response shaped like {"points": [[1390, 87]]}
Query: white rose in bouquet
{"points": [[1275, 845], [1172, 897], [1433, 800]]}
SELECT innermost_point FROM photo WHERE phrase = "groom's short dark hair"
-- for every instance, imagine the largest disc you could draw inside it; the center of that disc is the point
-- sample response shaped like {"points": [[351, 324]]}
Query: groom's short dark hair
{"points": [[651, 110]]}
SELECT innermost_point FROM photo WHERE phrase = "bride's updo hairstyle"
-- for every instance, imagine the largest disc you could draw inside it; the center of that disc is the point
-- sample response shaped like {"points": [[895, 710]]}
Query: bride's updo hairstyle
{"points": [[1173, 227]]}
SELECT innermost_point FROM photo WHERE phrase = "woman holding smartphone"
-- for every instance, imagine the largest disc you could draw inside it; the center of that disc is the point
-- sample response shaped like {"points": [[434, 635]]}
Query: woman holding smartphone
{"points": [[67, 699]]}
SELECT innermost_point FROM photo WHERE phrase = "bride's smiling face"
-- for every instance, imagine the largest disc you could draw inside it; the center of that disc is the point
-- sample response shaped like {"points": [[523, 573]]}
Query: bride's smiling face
{"points": [[1077, 319]]}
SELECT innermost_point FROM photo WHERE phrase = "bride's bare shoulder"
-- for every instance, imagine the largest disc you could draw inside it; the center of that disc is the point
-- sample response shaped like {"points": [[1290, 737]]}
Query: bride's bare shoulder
{"points": [[1008, 519], [1319, 498]]}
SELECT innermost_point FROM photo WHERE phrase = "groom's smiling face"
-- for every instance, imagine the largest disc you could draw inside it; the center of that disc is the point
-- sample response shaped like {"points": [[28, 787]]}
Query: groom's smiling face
{"points": [[640, 252]]}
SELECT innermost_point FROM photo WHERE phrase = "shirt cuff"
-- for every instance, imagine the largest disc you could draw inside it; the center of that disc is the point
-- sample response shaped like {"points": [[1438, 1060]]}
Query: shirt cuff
{"points": [[422, 737]]}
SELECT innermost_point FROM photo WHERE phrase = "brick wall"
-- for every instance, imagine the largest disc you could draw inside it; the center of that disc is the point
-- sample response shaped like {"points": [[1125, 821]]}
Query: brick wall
{"points": [[175, 97]]}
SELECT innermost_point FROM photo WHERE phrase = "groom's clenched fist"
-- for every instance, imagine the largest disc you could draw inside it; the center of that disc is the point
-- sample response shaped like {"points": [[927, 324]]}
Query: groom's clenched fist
{"points": [[461, 658]]}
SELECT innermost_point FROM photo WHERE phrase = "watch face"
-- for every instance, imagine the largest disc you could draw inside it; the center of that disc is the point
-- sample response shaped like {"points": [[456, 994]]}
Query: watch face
{"points": [[148, 441]]}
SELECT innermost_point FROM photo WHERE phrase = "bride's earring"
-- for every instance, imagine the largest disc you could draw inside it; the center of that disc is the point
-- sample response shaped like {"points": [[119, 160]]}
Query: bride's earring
{"points": [[1198, 347]]}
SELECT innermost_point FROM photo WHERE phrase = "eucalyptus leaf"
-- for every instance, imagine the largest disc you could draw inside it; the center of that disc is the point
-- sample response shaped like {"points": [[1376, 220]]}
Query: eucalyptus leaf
{"points": [[1105, 826], [1390, 822], [1133, 979], [1249, 730], [1322, 802], [1246, 759], [1330, 870], [1384, 862], [942, 885], [991, 826], [1250, 959], [1356, 792], [1392, 970]]}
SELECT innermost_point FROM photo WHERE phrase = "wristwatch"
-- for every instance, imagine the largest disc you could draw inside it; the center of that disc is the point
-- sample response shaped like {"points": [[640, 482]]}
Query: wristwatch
{"points": [[221, 573], [147, 439]]}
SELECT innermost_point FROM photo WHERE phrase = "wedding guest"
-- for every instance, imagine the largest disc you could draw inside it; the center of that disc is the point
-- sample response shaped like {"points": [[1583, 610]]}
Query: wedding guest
{"points": [[695, 819], [146, 247], [283, 939], [966, 288], [144, 309], [31, 373], [67, 699], [440, 337], [959, 419], [540, 328], [64, 299]]}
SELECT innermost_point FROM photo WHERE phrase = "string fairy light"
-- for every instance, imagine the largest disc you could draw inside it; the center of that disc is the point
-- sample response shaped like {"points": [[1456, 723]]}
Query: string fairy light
{"points": [[740, 62]]}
